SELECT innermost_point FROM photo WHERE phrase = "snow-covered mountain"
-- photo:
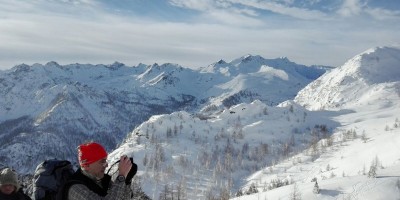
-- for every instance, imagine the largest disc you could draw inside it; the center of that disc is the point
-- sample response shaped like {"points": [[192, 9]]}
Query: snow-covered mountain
{"points": [[228, 129], [47, 110], [187, 156], [360, 160], [369, 75], [204, 157], [271, 80]]}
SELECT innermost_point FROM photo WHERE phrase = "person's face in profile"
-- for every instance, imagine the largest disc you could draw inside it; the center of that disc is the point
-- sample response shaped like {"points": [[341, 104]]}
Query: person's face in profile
{"points": [[97, 168]]}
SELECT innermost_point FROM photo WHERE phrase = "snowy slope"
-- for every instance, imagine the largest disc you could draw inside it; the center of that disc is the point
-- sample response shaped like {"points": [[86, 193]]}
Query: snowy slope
{"points": [[222, 139], [368, 136], [207, 156], [365, 137], [272, 80], [47, 107], [376, 70], [275, 148]]}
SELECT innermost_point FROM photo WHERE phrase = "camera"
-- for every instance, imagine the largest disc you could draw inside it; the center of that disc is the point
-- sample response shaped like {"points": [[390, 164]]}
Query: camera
{"points": [[130, 158], [131, 173]]}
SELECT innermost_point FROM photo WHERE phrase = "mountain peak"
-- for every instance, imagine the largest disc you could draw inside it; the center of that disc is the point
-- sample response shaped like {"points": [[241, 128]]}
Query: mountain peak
{"points": [[220, 62], [355, 83], [22, 68], [116, 65], [52, 63], [249, 58], [375, 65]]}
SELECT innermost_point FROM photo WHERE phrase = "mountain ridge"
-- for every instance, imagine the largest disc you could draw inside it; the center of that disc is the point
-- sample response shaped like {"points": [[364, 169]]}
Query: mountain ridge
{"points": [[359, 159], [295, 145], [213, 144], [372, 68], [79, 102]]}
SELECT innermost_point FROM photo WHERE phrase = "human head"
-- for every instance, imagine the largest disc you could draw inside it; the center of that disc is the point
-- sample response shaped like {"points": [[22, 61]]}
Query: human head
{"points": [[8, 181], [93, 158]]}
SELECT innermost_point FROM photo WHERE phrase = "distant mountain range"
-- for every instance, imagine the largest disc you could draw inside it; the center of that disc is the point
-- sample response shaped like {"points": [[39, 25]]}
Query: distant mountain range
{"points": [[209, 133], [47, 110], [254, 145], [246, 144]]}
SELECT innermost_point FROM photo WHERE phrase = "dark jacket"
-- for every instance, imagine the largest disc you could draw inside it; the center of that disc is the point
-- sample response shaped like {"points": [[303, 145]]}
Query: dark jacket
{"points": [[81, 187], [20, 195]]}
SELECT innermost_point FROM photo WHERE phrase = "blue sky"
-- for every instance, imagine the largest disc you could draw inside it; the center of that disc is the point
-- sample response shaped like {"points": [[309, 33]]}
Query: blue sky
{"points": [[193, 33]]}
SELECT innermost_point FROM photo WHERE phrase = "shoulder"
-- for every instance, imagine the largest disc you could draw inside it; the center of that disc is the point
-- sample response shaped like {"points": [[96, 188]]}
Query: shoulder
{"points": [[78, 192], [78, 188], [26, 197], [73, 187], [21, 195]]}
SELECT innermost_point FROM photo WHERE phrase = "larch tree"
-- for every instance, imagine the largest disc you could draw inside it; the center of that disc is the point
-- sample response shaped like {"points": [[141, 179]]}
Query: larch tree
{"points": [[316, 188], [295, 194]]}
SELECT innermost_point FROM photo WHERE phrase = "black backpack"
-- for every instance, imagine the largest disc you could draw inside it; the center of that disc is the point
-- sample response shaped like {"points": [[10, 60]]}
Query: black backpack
{"points": [[50, 176]]}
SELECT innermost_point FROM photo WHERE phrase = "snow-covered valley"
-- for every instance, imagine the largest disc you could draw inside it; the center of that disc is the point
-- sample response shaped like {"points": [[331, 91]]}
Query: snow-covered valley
{"points": [[252, 128]]}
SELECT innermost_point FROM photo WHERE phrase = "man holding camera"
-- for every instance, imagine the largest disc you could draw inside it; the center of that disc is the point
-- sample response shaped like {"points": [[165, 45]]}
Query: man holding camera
{"points": [[90, 181]]}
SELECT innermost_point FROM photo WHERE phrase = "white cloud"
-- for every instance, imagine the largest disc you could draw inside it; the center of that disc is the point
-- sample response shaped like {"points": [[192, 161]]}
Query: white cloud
{"points": [[282, 9], [383, 14], [201, 5], [251, 5], [221, 11], [350, 8]]}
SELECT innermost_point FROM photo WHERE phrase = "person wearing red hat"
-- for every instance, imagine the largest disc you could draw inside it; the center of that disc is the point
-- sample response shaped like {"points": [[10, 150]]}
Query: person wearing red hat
{"points": [[90, 181]]}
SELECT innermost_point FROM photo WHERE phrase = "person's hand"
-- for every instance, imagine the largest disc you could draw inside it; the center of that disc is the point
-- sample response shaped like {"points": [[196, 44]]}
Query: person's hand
{"points": [[132, 172], [124, 166]]}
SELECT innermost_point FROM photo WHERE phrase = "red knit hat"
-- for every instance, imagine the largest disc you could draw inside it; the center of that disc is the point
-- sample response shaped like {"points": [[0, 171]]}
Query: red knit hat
{"points": [[91, 152]]}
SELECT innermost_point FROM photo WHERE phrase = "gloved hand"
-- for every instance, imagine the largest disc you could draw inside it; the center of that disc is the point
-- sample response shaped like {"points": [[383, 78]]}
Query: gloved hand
{"points": [[131, 173]]}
